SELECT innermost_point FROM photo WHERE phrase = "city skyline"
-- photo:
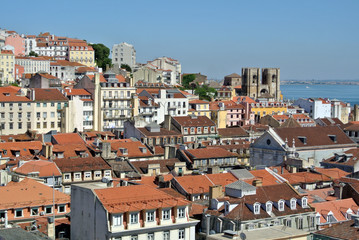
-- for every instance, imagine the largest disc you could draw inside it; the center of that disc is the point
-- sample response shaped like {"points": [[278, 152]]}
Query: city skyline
{"points": [[307, 40]]}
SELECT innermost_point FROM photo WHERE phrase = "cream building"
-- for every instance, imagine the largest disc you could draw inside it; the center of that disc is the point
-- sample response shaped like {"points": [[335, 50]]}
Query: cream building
{"points": [[79, 51], [114, 102], [7, 66]]}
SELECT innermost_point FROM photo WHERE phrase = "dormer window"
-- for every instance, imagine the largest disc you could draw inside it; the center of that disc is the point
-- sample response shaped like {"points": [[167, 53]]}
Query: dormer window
{"points": [[269, 207], [185, 130], [192, 130], [293, 203], [330, 217], [124, 151], [281, 205], [304, 202], [348, 214], [256, 208]]}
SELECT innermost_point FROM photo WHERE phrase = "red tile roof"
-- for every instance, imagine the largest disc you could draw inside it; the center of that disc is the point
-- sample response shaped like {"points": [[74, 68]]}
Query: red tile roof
{"points": [[68, 138], [136, 198], [29, 193], [333, 173], [305, 177], [71, 150], [71, 92], [209, 152], [197, 184], [199, 121], [49, 94], [28, 149], [133, 149], [44, 168], [12, 94], [82, 164], [315, 136], [337, 207]]}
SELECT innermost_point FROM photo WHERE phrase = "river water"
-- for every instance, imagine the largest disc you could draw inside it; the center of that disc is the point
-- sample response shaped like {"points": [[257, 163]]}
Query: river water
{"points": [[346, 93]]}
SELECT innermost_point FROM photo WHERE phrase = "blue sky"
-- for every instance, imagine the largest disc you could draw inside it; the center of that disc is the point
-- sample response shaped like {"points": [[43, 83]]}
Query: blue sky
{"points": [[308, 39]]}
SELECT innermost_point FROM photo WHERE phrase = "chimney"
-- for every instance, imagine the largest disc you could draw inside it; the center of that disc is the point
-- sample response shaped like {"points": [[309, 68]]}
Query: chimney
{"points": [[51, 227], [257, 183], [215, 192], [167, 123]]}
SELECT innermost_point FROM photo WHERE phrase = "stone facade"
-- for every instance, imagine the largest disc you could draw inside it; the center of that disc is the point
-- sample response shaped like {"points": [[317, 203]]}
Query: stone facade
{"points": [[258, 84]]}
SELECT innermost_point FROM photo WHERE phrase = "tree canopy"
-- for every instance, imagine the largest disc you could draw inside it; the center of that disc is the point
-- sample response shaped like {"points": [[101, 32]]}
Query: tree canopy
{"points": [[34, 54], [102, 54], [187, 79], [205, 92], [127, 67]]}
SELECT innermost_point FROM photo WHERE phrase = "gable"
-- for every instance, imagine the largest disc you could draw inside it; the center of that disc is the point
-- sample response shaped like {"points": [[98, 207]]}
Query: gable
{"points": [[268, 141]]}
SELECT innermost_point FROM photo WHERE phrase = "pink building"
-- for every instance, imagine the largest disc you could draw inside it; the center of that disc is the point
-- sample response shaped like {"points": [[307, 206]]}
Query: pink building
{"points": [[16, 41], [19, 71]]}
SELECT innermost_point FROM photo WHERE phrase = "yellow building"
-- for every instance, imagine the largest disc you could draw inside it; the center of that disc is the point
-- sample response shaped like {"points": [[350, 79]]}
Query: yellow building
{"points": [[261, 109], [79, 51], [7, 66], [199, 108]]}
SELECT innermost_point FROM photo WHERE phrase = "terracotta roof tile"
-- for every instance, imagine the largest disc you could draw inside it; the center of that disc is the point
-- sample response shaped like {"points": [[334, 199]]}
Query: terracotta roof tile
{"points": [[68, 138], [49, 94], [199, 121], [44, 168], [136, 198], [82, 164], [29, 193]]}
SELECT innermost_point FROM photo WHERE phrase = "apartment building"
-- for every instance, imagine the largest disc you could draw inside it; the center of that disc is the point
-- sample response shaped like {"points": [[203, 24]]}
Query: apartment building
{"points": [[169, 68], [7, 66], [171, 102], [79, 51], [17, 111], [87, 105], [64, 70], [82, 169], [33, 64], [129, 213], [16, 41], [114, 102], [124, 53]]}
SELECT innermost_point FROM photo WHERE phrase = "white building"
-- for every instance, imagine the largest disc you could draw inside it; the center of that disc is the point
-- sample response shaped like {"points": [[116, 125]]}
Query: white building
{"points": [[170, 102], [33, 64], [171, 69], [30, 43], [124, 53], [316, 107], [136, 212], [64, 70]]}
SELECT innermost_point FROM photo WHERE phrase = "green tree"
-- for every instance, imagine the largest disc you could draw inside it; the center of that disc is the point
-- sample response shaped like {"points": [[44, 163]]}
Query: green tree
{"points": [[127, 67], [102, 54], [205, 93], [34, 54], [187, 79]]}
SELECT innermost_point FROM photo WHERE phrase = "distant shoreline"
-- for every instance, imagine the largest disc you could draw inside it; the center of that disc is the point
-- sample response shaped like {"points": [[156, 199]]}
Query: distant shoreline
{"points": [[320, 82]]}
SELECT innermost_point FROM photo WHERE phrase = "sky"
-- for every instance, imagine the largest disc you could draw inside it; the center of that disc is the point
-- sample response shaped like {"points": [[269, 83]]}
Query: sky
{"points": [[307, 39]]}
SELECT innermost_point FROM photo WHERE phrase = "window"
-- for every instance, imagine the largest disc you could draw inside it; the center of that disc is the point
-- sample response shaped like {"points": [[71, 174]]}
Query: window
{"points": [[281, 205], [52, 124], [34, 211], [37, 104], [287, 222], [44, 104], [87, 174], [38, 114], [28, 114], [67, 176], [268, 207], [181, 234], [134, 237], [52, 114], [97, 174], [38, 125], [150, 236], [185, 130], [18, 213], [44, 124], [77, 175], [192, 130], [48, 210], [181, 212], [134, 218], [11, 125], [166, 235], [52, 104], [166, 214], [304, 202], [151, 216], [19, 125], [117, 220], [300, 223], [256, 208], [330, 218], [19, 115], [293, 203], [61, 209]]}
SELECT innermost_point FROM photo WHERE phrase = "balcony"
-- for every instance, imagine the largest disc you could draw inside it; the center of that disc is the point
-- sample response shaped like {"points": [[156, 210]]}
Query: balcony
{"points": [[116, 117]]}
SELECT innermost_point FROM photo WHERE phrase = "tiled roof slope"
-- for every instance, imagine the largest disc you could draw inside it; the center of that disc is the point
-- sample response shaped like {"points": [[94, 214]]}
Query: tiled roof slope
{"points": [[136, 198]]}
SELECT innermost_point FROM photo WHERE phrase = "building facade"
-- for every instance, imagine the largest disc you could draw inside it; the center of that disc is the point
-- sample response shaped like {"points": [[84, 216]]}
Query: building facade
{"points": [[124, 53]]}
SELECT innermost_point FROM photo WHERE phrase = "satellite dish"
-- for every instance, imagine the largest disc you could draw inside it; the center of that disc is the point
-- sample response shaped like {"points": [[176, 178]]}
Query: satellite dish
{"points": [[243, 236]]}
